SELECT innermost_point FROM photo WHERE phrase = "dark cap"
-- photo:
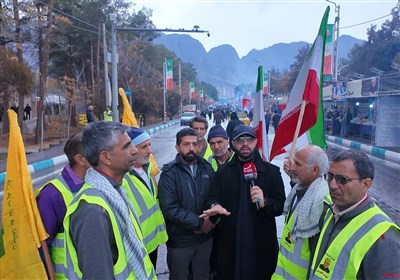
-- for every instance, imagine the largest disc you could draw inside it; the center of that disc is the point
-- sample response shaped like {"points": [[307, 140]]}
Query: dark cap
{"points": [[241, 130], [217, 131]]}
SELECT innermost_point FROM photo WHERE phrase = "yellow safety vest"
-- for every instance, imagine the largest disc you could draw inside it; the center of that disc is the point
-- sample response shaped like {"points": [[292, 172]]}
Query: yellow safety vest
{"points": [[294, 255], [57, 245], [208, 152], [214, 164], [148, 210], [107, 116], [343, 257], [121, 271]]}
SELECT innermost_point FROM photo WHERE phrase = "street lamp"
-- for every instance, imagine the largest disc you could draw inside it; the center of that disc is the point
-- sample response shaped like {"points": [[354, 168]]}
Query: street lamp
{"points": [[337, 19]]}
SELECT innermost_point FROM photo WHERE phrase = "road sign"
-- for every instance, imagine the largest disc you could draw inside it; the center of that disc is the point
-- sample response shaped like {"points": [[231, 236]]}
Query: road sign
{"points": [[128, 92]]}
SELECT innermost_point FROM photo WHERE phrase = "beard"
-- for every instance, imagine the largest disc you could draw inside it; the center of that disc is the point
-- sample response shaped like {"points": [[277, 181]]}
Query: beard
{"points": [[189, 157], [245, 157]]}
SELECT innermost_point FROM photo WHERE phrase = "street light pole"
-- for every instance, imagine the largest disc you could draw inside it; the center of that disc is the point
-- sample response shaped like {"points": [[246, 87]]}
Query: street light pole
{"points": [[337, 19], [114, 77]]}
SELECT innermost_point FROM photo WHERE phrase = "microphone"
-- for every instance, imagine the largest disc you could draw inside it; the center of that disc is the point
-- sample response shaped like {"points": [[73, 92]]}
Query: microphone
{"points": [[250, 174]]}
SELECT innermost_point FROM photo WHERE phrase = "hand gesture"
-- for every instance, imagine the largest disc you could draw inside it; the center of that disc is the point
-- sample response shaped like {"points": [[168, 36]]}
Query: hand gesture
{"points": [[215, 210]]}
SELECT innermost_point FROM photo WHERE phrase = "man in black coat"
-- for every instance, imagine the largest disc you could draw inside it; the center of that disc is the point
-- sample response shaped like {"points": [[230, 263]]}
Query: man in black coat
{"points": [[183, 188], [248, 245]]}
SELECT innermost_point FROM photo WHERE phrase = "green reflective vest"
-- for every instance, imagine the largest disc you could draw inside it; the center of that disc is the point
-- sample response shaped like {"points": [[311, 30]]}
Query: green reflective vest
{"points": [[57, 250], [294, 255], [146, 205], [107, 116], [343, 257], [213, 161], [207, 152], [121, 271]]}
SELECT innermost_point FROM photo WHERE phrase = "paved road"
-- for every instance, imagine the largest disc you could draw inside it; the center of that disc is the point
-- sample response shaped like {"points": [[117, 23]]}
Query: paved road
{"points": [[385, 189]]}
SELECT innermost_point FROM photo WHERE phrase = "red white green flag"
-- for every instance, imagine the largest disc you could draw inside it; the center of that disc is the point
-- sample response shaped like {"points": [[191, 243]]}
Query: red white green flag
{"points": [[192, 90], [308, 88], [259, 117], [169, 79], [265, 84]]}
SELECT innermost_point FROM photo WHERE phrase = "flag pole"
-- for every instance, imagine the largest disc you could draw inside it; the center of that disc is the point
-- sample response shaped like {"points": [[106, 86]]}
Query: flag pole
{"points": [[297, 131], [49, 264]]}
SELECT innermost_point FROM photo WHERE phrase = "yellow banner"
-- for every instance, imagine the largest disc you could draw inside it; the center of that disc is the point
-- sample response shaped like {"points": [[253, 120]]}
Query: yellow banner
{"points": [[23, 227], [128, 118]]}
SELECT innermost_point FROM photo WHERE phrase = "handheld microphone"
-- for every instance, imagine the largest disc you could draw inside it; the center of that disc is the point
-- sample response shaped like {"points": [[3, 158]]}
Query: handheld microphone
{"points": [[250, 174]]}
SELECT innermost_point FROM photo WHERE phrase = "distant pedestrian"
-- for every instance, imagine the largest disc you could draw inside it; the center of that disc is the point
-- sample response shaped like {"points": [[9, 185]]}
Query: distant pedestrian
{"points": [[276, 119], [107, 114], [267, 120], [234, 122], [218, 118], [90, 114], [27, 112]]}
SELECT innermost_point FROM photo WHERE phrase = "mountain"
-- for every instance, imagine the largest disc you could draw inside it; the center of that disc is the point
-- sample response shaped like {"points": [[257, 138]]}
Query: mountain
{"points": [[222, 66]]}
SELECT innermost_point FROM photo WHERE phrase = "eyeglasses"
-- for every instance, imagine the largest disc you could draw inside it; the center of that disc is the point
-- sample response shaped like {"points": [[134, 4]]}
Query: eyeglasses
{"points": [[241, 140], [340, 179]]}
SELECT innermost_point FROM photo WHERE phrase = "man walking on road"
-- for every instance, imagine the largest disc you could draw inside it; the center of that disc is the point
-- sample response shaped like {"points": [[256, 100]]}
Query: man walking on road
{"points": [[102, 232], [55, 196], [248, 246], [357, 240], [183, 187], [141, 188], [200, 124], [303, 208]]}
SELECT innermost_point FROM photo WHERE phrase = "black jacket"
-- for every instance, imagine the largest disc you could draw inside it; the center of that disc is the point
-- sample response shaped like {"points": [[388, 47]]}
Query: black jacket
{"points": [[182, 199], [229, 188]]}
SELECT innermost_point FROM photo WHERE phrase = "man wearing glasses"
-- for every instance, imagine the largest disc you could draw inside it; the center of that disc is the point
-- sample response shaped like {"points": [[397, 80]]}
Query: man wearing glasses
{"points": [[248, 245], [357, 239]]}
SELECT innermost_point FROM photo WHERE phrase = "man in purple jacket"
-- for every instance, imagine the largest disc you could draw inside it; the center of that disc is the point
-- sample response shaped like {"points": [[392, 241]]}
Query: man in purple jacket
{"points": [[54, 197]]}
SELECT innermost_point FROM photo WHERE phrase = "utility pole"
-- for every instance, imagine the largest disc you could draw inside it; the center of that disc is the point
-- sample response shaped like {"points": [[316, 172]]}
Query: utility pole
{"points": [[165, 91], [337, 19], [106, 79], [180, 86], [114, 77]]}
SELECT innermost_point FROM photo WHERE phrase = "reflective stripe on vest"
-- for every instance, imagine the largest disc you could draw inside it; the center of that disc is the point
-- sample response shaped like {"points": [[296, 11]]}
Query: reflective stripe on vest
{"points": [[146, 206], [57, 246], [294, 255], [344, 255], [121, 270]]}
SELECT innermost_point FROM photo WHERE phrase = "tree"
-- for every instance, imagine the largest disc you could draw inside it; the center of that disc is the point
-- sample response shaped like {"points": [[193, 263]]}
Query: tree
{"points": [[14, 77], [381, 48]]}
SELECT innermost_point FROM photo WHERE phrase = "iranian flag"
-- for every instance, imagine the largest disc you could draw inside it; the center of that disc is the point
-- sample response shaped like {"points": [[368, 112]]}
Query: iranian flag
{"points": [[303, 112], [169, 80], [192, 90], [265, 84], [259, 117]]}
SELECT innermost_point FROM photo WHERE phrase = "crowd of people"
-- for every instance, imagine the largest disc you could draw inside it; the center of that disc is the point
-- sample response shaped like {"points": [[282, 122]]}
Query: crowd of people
{"points": [[214, 206]]}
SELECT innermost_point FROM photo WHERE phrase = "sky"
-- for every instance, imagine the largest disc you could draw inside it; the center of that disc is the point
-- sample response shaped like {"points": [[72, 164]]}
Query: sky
{"points": [[259, 24]]}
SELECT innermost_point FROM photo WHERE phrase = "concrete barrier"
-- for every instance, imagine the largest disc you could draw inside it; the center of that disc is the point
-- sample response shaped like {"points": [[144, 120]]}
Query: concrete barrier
{"points": [[371, 150], [52, 162]]}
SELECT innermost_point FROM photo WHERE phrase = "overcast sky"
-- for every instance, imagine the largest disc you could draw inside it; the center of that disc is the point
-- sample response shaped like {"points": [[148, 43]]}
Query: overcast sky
{"points": [[248, 25]]}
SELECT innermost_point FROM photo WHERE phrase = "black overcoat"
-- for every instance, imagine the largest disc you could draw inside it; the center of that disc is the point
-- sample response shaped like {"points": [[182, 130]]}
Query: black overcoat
{"points": [[226, 189]]}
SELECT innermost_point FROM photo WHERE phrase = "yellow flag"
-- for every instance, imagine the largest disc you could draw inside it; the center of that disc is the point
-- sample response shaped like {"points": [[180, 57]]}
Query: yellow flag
{"points": [[128, 118], [23, 227]]}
